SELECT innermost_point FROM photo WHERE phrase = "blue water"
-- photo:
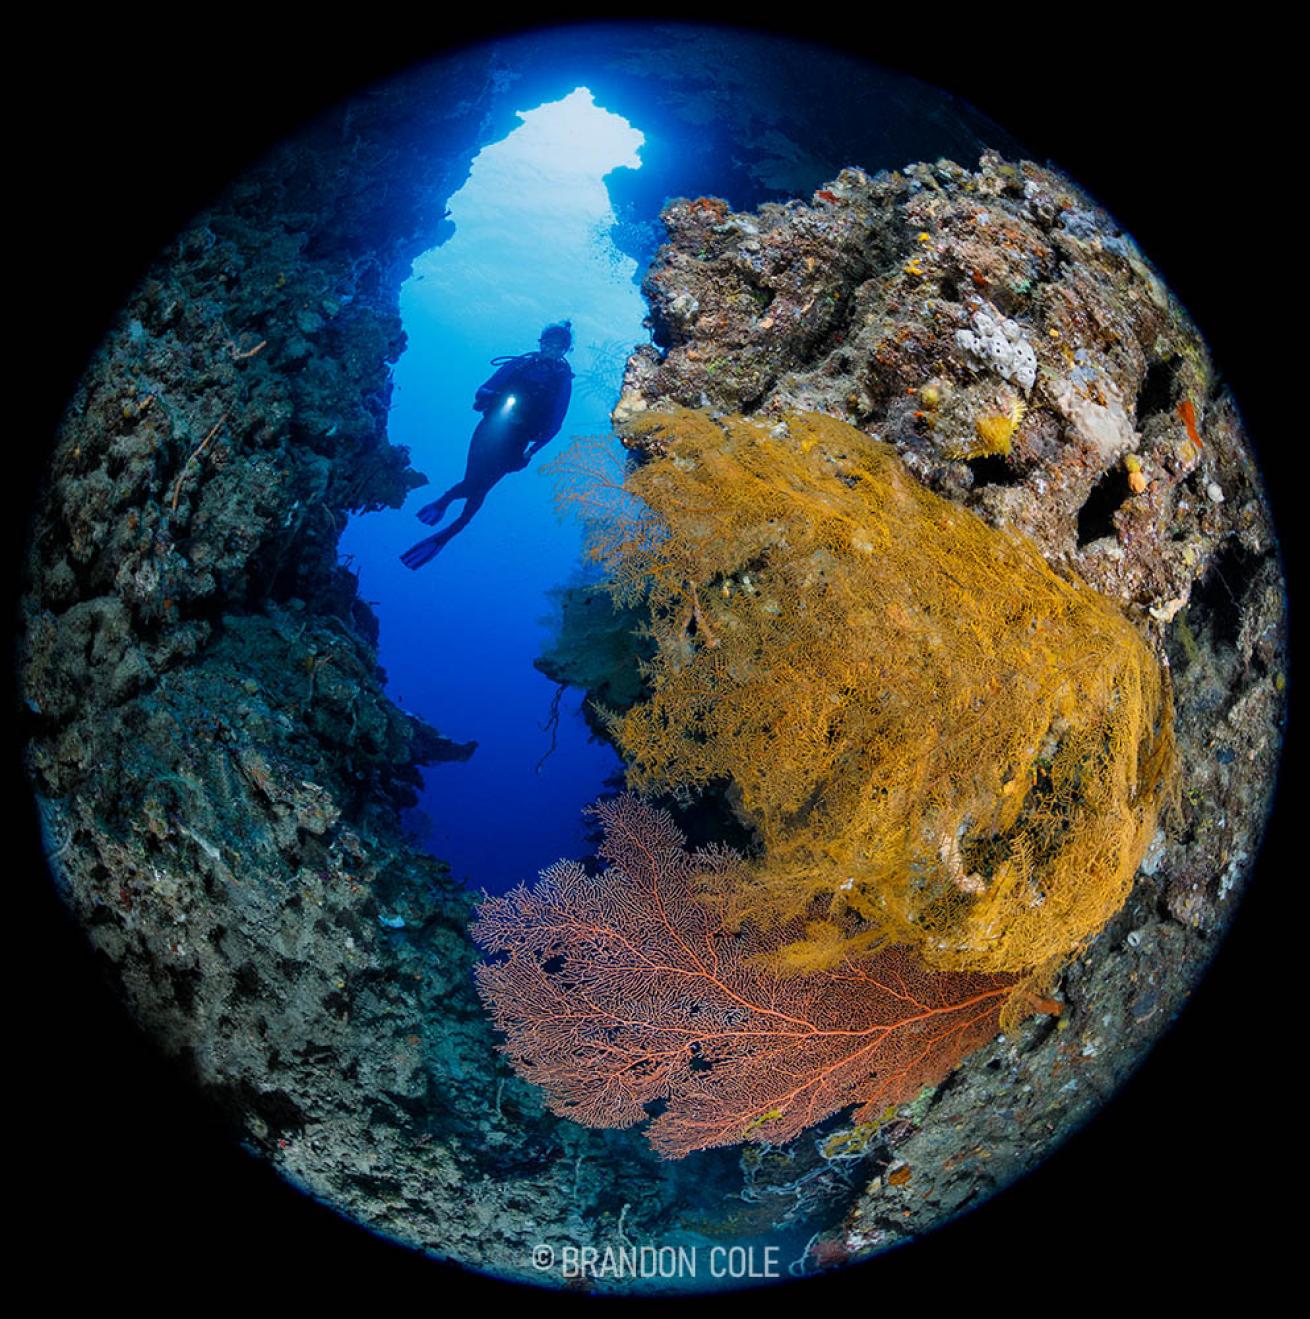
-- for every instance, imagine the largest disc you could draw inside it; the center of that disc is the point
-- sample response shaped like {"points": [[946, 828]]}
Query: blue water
{"points": [[530, 246]]}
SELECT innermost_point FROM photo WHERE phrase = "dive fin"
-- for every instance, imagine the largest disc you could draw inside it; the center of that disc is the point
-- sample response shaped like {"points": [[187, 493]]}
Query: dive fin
{"points": [[417, 555]]}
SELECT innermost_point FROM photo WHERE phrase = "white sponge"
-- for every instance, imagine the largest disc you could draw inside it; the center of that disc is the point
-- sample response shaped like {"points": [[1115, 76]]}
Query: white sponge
{"points": [[999, 343]]}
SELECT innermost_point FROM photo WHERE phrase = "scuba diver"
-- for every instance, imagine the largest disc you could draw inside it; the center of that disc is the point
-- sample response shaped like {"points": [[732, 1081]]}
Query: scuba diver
{"points": [[522, 406]]}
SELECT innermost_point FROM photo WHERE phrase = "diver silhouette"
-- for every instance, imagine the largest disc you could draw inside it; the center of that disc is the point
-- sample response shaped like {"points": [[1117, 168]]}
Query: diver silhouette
{"points": [[522, 406]]}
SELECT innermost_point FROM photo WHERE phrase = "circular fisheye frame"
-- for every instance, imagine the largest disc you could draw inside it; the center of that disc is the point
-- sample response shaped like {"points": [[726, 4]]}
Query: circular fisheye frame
{"points": [[658, 689]]}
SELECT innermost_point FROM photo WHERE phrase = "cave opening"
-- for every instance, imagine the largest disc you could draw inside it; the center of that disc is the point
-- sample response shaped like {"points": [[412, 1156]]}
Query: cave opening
{"points": [[528, 243]]}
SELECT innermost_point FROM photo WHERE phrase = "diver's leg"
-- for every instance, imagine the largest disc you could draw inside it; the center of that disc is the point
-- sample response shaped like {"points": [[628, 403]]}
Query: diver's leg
{"points": [[472, 503], [417, 555], [432, 513]]}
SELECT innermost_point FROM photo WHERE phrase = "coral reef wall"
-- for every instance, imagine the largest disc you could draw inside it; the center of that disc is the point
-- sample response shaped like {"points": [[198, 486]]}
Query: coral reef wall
{"points": [[1026, 361], [219, 771]]}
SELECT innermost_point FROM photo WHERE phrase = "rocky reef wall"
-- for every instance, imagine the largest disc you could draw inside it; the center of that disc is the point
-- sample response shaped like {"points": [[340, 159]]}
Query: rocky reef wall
{"points": [[1002, 332]]}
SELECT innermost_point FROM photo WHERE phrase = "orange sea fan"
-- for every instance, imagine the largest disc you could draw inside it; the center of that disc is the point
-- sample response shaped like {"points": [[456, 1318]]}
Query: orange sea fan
{"points": [[626, 988]]}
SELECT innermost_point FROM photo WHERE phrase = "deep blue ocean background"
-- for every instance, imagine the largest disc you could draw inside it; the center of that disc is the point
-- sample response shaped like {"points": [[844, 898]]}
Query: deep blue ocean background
{"points": [[530, 246]]}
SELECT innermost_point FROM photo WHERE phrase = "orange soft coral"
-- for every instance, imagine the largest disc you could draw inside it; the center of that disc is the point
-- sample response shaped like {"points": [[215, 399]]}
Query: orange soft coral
{"points": [[941, 742]]}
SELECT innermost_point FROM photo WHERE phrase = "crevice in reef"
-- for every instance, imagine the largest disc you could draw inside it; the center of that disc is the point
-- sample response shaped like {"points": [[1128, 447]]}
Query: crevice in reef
{"points": [[1096, 516], [1218, 601], [993, 469], [1159, 388]]}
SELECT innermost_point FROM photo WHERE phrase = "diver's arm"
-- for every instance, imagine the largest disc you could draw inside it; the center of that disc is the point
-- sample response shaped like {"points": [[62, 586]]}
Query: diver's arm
{"points": [[559, 406], [540, 442], [492, 388]]}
